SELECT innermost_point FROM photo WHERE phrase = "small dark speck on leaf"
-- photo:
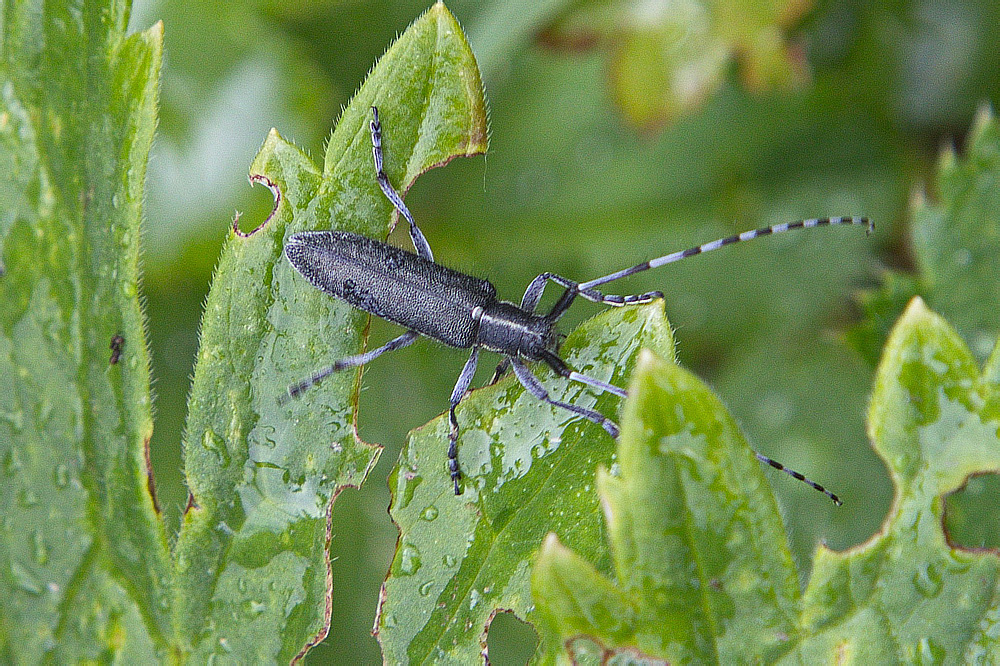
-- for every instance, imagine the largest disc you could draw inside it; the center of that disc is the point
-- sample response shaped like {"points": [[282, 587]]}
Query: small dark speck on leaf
{"points": [[117, 342]]}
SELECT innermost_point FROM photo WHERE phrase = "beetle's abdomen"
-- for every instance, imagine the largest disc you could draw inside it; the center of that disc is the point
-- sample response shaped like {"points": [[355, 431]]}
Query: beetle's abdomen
{"points": [[392, 284]]}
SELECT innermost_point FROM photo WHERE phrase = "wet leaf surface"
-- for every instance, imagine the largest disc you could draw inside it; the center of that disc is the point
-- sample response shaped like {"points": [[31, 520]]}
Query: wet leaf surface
{"points": [[254, 579], [701, 566]]}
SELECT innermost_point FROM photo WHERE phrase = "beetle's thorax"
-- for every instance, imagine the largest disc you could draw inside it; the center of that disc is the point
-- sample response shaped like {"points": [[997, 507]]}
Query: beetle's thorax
{"points": [[507, 329]]}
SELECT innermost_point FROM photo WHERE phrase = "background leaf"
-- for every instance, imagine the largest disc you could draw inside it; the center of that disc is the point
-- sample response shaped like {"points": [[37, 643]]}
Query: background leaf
{"points": [[666, 59], [934, 420], [527, 471], [84, 568], [254, 578], [569, 187], [956, 238]]}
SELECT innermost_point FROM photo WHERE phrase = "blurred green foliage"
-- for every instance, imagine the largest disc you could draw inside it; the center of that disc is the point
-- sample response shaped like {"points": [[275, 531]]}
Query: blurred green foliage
{"points": [[569, 186]]}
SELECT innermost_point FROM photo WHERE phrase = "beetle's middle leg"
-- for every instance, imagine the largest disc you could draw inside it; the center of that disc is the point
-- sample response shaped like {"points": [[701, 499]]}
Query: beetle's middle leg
{"points": [[535, 388], [461, 387]]}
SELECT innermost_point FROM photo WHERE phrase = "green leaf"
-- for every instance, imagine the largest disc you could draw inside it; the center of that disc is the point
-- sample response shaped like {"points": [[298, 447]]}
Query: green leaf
{"points": [[77, 111], [528, 470], [702, 571], [956, 240], [253, 571], [84, 564], [666, 59], [934, 420]]}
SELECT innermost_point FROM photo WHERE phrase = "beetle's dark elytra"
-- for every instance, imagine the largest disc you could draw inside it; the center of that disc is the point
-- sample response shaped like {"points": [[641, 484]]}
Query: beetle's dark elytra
{"points": [[423, 296]]}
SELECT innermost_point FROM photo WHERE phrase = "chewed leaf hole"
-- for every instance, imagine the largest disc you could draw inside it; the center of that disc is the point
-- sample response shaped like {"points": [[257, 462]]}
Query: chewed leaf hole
{"points": [[971, 519], [510, 640], [262, 208]]}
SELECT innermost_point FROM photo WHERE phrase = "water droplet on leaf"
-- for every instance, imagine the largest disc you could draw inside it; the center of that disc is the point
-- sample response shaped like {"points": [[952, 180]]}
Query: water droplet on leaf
{"points": [[409, 560]]}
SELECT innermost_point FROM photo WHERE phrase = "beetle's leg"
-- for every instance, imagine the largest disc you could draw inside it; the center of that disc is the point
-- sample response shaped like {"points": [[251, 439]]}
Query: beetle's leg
{"points": [[535, 388], [563, 370], [533, 294], [349, 362], [420, 243], [461, 387], [501, 370]]}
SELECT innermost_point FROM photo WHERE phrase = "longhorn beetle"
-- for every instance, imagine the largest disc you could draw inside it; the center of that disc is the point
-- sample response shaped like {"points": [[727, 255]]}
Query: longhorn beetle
{"points": [[463, 311]]}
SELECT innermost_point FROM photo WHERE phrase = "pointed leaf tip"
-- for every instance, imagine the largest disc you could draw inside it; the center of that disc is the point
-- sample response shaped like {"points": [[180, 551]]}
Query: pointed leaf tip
{"points": [[694, 534]]}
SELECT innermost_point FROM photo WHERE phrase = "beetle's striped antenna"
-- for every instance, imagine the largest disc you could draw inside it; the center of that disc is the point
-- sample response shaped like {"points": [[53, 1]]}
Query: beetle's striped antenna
{"points": [[798, 476], [722, 242]]}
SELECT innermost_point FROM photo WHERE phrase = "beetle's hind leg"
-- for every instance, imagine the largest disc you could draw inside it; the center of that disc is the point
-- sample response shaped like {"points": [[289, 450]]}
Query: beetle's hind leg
{"points": [[295, 390]]}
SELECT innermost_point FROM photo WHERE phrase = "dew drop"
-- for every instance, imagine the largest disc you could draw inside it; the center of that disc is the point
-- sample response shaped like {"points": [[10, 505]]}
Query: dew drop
{"points": [[412, 481], [12, 462], [14, 418], [426, 588], [928, 580], [450, 561], [25, 580], [44, 411], [27, 498], [253, 608], [215, 444], [39, 550], [930, 652], [61, 475], [430, 513], [409, 560]]}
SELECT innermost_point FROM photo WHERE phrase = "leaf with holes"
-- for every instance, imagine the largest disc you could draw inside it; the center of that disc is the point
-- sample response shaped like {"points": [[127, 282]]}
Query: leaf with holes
{"points": [[84, 559], [253, 571], [701, 570], [528, 470]]}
